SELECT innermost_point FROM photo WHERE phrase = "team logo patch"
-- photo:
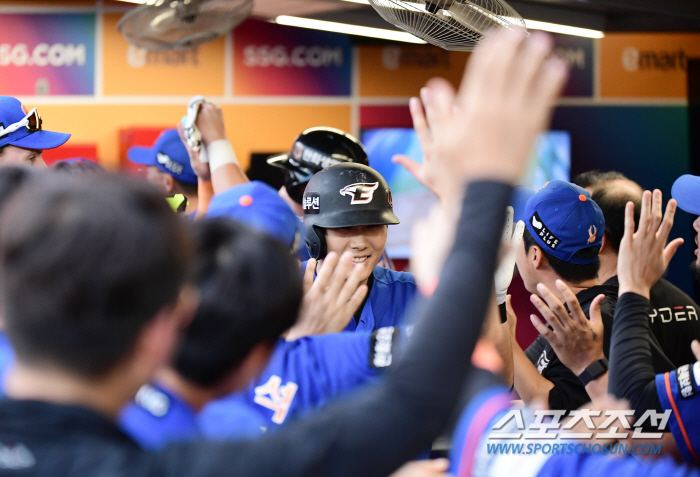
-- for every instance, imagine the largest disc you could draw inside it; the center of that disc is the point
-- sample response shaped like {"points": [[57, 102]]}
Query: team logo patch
{"points": [[543, 362], [312, 203], [685, 386], [381, 347], [543, 232], [696, 373], [361, 193], [165, 161], [592, 231]]}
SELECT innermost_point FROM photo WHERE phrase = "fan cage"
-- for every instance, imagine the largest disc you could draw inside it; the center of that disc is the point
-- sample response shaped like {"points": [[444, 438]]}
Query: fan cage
{"points": [[456, 25]]}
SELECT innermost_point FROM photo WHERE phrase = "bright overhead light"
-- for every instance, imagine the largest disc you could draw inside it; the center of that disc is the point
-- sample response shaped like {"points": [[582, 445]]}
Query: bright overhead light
{"points": [[364, 2], [347, 29], [564, 29]]}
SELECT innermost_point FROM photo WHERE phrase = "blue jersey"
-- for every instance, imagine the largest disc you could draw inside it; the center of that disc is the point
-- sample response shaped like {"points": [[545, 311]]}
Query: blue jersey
{"points": [[390, 298], [158, 417], [470, 454], [7, 357], [679, 392], [301, 376]]}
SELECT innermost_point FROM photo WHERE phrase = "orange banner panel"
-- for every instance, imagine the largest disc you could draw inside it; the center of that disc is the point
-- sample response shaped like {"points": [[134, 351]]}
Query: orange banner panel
{"points": [[401, 71], [133, 71], [650, 65]]}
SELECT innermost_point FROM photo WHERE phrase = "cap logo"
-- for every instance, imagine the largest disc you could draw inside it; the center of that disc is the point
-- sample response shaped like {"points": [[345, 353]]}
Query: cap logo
{"points": [[592, 231], [545, 235], [361, 193], [311, 203], [169, 164]]}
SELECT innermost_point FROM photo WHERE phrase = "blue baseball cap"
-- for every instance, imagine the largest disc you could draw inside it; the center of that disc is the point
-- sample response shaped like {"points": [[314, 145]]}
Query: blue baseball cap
{"points": [[168, 154], [12, 112], [686, 191], [260, 207], [563, 219]]}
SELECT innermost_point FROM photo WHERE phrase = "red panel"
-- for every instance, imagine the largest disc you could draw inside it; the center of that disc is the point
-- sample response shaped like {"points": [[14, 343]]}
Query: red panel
{"points": [[385, 117], [70, 151], [131, 137], [525, 332]]}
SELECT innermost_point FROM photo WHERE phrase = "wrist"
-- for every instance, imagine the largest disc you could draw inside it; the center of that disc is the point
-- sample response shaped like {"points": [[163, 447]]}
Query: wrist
{"points": [[642, 290], [593, 371], [221, 153]]}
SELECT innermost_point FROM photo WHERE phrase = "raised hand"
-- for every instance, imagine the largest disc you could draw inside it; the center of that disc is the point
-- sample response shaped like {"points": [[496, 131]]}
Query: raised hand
{"points": [[201, 169], [210, 122], [577, 341], [509, 248], [487, 129], [644, 255], [331, 300]]}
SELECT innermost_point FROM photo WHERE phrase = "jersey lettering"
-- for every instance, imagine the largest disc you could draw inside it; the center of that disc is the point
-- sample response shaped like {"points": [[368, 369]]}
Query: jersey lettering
{"points": [[275, 397]]}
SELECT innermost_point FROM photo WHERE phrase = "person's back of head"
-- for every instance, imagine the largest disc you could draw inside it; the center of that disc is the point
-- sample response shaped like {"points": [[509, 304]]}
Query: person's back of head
{"points": [[611, 191], [84, 266], [251, 291], [12, 179]]}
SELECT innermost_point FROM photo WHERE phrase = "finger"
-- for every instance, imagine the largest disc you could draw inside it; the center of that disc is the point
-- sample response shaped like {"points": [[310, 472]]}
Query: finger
{"points": [[350, 285], [645, 215], [350, 307], [555, 305], [309, 275], [667, 223], [575, 310], [420, 123], [695, 348], [518, 235], [595, 314], [656, 213], [671, 250], [547, 88], [438, 97], [440, 465], [547, 314], [341, 273], [414, 168], [325, 272], [629, 222], [529, 63], [541, 328]]}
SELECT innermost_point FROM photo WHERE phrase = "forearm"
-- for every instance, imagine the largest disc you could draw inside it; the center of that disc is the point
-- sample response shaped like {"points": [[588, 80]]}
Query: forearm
{"points": [[631, 373], [529, 383], [505, 350], [205, 192], [225, 170], [598, 387]]}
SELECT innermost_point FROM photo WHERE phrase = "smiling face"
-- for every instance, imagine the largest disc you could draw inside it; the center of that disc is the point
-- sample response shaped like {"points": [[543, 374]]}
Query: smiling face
{"points": [[365, 242], [17, 156]]}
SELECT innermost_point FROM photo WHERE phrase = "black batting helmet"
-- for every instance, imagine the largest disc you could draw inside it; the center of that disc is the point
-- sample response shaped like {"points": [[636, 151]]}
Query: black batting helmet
{"points": [[314, 150], [344, 195]]}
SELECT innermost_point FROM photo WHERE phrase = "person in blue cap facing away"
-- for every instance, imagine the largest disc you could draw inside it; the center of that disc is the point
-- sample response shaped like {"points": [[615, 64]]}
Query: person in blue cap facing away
{"points": [[22, 137], [168, 168], [563, 235], [260, 207]]}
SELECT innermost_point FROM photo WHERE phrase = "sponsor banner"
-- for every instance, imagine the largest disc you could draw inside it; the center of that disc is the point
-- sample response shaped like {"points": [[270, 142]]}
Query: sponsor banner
{"points": [[271, 59], [47, 54], [650, 65], [401, 70], [129, 70]]}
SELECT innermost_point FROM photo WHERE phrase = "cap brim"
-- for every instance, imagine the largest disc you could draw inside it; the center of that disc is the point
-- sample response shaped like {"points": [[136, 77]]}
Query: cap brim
{"points": [[518, 199], [686, 191], [279, 160], [142, 155], [41, 140]]}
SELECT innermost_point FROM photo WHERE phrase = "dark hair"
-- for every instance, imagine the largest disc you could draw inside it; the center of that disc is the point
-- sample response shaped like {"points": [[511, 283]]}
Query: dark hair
{"points": [[12, 179], [77, 166], [190, 189], [596, 177], [251, 292], [84, 265], [570, 272], [612, 201]]}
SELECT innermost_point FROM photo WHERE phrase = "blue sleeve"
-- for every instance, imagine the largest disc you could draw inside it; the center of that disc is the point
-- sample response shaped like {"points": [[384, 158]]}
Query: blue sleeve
{"points": [[586, 465], [7, 357], [679, 392], [302, 376]]}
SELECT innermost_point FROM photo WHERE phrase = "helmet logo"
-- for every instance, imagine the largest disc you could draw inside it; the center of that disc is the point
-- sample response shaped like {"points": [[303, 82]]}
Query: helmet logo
{"points": [[592, 231], [361, 193], [389, 199]]}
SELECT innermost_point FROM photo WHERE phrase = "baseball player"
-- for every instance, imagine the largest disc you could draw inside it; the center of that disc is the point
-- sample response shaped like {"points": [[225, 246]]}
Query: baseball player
{"points": [[347, 207]]}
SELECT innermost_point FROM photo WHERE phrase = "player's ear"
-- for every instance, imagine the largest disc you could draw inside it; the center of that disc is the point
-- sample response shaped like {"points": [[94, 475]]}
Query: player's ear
{"points": [[538, 259], [169, 183], [605, 245]]}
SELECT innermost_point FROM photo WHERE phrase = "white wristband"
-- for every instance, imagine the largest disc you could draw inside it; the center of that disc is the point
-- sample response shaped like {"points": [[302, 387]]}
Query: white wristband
{"points": [[221, 153]]}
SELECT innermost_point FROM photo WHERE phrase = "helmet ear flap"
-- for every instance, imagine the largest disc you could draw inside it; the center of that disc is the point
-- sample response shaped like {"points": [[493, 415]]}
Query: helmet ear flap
{"points": [[316, 242]]}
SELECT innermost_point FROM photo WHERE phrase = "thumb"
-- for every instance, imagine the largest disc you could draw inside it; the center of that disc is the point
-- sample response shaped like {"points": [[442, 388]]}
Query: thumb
{"points": [[309, 275], [595, 315], [695, 347], [671, 249]]}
